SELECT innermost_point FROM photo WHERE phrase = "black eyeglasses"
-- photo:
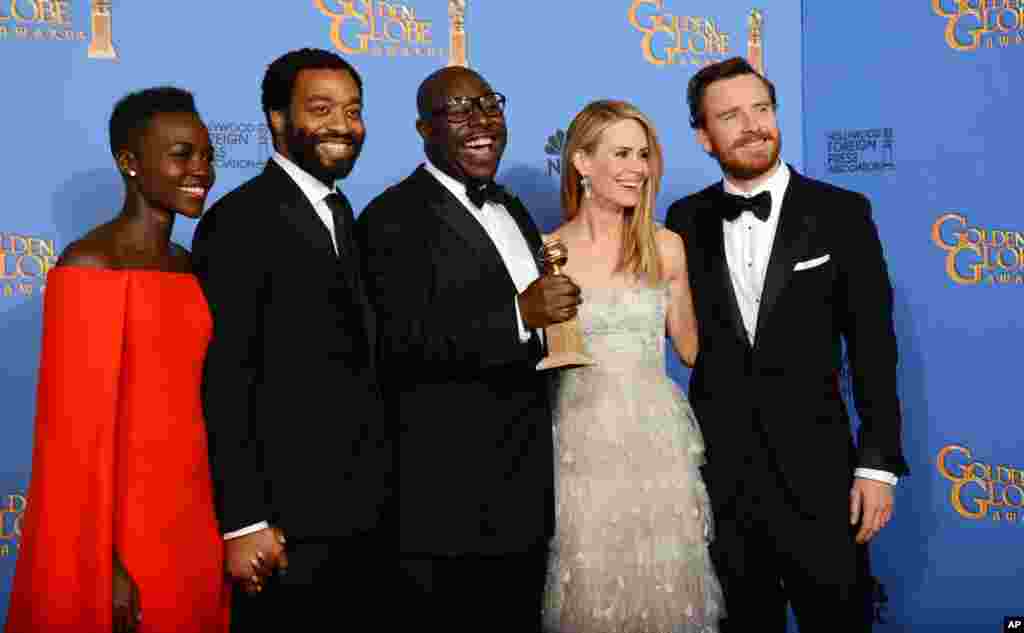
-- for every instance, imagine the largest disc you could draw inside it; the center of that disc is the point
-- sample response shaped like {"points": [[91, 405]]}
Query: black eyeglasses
{"points": [[459, 109]]}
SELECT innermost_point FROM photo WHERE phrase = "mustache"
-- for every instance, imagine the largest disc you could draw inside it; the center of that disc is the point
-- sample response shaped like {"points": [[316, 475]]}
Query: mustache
{"points": [[755, 137], [349, 138]]}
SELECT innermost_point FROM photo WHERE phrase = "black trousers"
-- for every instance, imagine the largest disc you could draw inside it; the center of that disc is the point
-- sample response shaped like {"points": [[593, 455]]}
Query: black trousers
{"points": [[768, 555], [472, 593], [329, 586]]}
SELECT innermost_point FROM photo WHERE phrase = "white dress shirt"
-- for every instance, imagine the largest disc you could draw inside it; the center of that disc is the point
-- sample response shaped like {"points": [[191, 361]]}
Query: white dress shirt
{"points": [[314, 190], [501, 227], [317, 193], [748, 247]]}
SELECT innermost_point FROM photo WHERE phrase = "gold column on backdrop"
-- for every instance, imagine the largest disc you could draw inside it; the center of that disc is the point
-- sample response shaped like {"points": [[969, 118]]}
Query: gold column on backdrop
{"points": [[458, 54], [101, 46], [755, 40]]}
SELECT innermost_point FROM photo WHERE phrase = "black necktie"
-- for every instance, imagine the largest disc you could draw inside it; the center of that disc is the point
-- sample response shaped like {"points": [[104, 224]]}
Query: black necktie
{"points": [[733, 206], [481, 192], [341, 212]]}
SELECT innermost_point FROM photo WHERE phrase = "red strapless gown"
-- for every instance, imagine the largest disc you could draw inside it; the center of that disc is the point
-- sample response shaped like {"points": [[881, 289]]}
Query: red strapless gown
{"points": [[120, 459]]}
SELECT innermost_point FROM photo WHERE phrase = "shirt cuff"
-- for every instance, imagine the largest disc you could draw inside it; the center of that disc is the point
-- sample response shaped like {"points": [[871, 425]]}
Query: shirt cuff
{"points": [[524, 334], [877, 475], [255, 527]]}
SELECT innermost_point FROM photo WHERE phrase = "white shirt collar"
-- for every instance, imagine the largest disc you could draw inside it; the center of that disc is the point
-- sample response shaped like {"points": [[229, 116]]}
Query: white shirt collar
{"points": [[457, 188], [313, 189], [776, 185]]}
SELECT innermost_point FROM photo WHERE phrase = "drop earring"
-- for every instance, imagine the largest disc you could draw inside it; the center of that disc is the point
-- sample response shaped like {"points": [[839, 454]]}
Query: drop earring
{"points": [[587, 188]]}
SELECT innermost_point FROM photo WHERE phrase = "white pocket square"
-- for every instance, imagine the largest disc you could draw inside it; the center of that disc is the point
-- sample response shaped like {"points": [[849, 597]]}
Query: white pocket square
{"points": [[811, 263]]}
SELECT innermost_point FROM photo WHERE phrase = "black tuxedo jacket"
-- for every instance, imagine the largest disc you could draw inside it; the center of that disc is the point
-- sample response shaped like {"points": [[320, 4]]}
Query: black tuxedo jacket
{"points": [[289, 389], [474, 448], [780, 398]]}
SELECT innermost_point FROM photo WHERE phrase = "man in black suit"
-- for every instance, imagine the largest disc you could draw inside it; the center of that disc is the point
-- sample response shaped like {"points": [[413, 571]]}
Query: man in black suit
{"points": [[298, 446], [450, 267], [784, 269]]}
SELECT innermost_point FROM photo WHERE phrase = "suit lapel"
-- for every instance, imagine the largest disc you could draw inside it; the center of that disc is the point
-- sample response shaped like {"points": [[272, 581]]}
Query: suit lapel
{"points": [[710, 226], [458, 217], [297, 210], [790, 243]]}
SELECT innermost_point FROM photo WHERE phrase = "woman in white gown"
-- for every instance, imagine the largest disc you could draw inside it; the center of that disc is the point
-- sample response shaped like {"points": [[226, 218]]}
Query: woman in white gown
{"points": [[630, 552]]}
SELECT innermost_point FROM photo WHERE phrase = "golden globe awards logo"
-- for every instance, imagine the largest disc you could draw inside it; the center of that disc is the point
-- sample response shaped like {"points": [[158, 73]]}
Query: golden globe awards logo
{"points": [[12, 510], [669, 39], [979, 255], [981, 490], [973, 24], [25, 261], [380, 29], [51, 20]]}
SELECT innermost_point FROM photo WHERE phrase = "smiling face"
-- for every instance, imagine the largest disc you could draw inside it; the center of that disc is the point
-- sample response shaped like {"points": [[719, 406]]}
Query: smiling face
{"points": [[173, 163], [740, 129], [468, 150], [322, 131], [619, 166]]}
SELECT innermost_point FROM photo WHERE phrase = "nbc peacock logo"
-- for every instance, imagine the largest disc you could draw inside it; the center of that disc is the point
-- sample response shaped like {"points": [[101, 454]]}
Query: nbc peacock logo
{"points": [[553, 148]]}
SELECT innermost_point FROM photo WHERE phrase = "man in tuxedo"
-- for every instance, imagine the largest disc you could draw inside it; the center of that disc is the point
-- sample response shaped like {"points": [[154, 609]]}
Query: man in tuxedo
{"points": [[451, 269], [784, 269], [299, 452]]}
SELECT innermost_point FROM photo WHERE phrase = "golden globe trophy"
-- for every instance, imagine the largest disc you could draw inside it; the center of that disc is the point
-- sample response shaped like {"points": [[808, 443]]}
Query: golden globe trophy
{"points": [[565, 342], [457, 51], [101, 46], [755, 40]]}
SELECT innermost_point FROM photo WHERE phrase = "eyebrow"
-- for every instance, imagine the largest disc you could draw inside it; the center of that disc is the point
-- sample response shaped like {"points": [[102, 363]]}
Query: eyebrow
{"points": [[354, 101]]}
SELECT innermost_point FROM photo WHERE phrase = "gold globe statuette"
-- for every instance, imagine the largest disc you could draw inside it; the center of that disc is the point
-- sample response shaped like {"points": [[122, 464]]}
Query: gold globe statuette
{"points": [[564, 340]]}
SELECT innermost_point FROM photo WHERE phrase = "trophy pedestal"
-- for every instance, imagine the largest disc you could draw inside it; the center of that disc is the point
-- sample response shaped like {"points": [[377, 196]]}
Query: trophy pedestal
{"points": [[565, 346]]}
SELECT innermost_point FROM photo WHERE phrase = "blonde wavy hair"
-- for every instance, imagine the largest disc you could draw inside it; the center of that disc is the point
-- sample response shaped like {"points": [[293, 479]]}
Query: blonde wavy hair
{"points": [[639, 254]]}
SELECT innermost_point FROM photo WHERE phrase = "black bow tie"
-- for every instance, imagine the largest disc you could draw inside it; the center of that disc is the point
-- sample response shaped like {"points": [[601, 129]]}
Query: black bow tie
{"points": [[760, 205], [481, 192]]}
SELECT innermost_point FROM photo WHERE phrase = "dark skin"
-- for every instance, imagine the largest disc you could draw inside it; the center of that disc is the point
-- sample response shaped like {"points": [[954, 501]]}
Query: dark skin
{"points": [[469, 151], [322, 132], [168, 170]]}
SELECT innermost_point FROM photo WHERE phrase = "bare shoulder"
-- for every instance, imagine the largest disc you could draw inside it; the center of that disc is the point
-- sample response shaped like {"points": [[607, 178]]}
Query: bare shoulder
{"points": [[670, 244], [93, 250], [672, 253]]}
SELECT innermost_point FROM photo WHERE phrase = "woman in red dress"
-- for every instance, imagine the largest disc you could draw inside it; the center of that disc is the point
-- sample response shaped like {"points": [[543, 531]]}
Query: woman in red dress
{"points": [[120, 532]]}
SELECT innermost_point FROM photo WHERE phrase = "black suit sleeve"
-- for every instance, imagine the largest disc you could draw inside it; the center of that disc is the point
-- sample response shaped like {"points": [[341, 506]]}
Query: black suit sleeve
{"points": [[865, 320], [679, 218], [437, 311], [234, 284]]}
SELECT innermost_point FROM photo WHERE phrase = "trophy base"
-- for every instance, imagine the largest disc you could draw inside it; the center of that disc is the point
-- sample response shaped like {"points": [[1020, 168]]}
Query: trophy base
{"points": [[102, 53], [565, 359], [565, 346]]}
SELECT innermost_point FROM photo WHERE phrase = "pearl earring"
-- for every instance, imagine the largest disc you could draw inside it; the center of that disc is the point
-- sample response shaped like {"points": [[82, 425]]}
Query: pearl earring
{"points": [[131, 172], [587, 188]]}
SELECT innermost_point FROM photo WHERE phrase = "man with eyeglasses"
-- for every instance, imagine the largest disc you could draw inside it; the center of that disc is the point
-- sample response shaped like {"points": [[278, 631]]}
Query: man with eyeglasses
{"points": [[451, 269]]}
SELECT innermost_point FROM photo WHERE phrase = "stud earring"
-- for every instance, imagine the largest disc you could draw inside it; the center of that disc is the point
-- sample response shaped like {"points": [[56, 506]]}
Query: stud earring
{"points": [[131, 172], [587, 188]]}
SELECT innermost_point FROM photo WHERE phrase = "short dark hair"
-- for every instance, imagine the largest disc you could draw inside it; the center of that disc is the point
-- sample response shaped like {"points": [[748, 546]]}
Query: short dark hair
{"points": [[279, 80], [133, 112], [725, 69]]}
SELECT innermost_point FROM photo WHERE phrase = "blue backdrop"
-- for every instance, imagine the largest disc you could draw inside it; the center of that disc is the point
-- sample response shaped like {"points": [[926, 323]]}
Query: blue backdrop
{"points": [[848, 89], [914, 106]]}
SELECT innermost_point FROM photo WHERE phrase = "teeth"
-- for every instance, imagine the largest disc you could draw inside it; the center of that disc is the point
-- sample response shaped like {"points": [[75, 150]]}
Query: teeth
{"points": [[482, 142], [198, 191]]}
